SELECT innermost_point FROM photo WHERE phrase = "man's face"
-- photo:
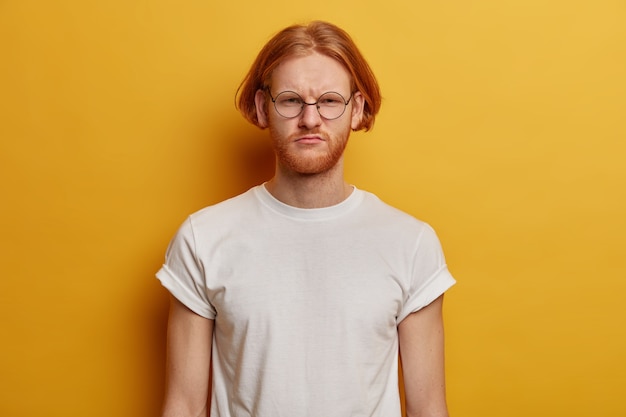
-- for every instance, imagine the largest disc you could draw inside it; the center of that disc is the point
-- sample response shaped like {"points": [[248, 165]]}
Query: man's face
{"points": [[309, 143]]}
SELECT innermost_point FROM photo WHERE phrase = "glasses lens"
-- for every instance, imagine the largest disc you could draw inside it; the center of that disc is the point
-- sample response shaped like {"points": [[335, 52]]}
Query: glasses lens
{"points": [[288, 104], [331, 105]]}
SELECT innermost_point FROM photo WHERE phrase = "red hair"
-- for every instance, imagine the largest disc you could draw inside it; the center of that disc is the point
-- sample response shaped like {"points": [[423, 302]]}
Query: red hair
{"points": [[301, 40]]}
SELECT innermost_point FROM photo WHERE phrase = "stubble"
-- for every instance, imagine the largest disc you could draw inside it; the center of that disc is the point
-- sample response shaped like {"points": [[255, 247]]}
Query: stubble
{"points": [[306, 159]]}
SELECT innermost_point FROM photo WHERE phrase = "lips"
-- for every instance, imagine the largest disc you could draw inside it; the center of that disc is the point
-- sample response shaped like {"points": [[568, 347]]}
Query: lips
{"points": [[310, 139]]}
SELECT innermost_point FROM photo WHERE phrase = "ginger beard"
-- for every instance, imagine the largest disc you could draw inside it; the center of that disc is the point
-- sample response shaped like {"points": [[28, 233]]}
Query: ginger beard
{"points": [[309, 159]]}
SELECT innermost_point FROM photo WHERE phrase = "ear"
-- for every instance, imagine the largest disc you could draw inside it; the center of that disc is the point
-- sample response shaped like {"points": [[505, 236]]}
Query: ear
{"points": [[358, 104], [260, 103]]}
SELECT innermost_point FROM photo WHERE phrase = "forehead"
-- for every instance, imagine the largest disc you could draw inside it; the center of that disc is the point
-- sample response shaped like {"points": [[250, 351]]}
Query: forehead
{"points": [[311, 74]]}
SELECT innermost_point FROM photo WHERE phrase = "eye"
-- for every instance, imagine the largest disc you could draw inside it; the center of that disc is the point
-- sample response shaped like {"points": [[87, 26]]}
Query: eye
{"points": [[292, 100], [331, 100], [289, 100]]}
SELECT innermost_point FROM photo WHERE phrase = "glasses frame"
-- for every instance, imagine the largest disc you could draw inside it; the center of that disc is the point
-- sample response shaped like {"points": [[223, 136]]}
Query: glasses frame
{"points": [[304, 103]]}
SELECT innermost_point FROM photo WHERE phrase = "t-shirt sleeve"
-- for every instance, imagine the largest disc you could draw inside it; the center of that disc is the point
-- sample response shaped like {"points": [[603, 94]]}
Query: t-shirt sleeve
{"points": [[430, 276], [183, 275]]}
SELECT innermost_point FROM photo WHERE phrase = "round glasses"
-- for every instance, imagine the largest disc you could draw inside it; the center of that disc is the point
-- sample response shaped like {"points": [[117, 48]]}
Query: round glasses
{"points": [[330, 105]]}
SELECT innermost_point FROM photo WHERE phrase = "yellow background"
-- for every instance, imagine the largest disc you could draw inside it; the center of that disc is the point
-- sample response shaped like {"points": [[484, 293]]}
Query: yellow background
{"points": [[503, 125]]}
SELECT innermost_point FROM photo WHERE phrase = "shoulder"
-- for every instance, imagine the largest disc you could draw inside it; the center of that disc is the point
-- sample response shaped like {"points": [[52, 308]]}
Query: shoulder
{"points": [[218, 219], [232, 208], [390, 216], [397, 225]]}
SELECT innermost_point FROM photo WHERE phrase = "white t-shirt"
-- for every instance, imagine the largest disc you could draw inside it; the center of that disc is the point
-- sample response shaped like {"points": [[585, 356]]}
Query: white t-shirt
{"points": [[306, 302]]}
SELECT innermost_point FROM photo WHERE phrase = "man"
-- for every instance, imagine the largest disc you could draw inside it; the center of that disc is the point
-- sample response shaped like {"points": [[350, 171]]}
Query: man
{"points": [[302, 291]]}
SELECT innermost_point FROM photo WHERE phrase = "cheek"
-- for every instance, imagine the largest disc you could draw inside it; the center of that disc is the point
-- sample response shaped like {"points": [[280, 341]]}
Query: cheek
{"points": [[278, 131], [281, 126]]}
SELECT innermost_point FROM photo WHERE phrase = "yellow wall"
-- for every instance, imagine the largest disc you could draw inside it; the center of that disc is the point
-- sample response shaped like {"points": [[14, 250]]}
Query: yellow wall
{"points": [[503, 126]]}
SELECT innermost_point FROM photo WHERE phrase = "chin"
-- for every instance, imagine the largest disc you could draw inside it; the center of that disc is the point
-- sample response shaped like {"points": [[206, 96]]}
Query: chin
{"points": [[309, 165], [310, 161], [310, 168]]}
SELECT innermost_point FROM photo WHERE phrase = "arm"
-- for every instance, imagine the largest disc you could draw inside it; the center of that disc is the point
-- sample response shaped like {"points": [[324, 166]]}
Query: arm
{"points": [[422, 355], [189, 338]]}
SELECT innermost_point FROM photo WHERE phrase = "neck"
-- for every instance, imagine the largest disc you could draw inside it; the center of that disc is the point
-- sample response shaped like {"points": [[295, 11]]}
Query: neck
{"points": [[309, 190]]}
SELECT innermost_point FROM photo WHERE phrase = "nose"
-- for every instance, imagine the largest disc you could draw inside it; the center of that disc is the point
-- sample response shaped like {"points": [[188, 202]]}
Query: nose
{"points": [[310, 117]]}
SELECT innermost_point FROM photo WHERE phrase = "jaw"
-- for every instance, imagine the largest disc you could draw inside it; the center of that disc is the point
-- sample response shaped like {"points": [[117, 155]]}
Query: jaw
{"points": [[309, 160]]}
